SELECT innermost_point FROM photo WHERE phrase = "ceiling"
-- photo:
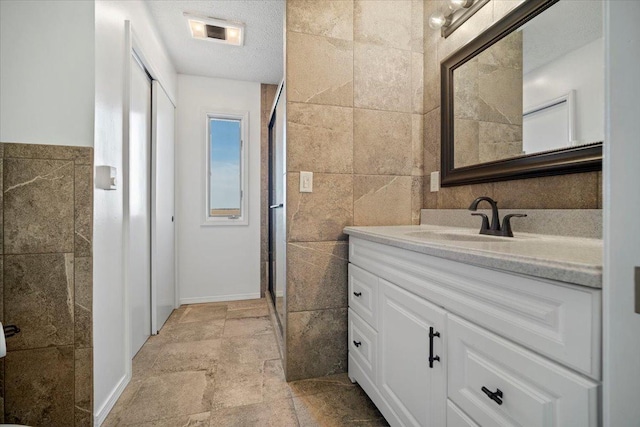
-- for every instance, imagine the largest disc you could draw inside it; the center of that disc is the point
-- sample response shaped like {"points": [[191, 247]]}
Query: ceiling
{"points": [[259, 60]]}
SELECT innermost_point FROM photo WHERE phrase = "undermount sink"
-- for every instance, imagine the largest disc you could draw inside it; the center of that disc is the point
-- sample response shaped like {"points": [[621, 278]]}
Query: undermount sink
{"points": [[456, 236]]}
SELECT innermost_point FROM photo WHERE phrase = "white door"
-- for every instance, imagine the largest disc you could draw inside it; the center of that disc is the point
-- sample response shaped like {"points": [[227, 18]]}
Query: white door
{"points": [[163, 289], [412, 357], [139, 206]]}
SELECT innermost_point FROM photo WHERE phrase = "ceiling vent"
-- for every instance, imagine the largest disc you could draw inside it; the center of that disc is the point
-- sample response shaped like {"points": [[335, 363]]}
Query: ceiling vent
{"points": [[216, 30]]}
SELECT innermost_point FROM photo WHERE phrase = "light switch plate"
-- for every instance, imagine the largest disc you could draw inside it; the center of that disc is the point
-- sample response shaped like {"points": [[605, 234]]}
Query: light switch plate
{"points": [[106, 177], [435, 181], [306, 182]]}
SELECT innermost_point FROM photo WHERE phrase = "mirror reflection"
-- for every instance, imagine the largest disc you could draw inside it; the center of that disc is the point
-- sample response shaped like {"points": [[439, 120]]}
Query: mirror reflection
{"points": [[540, 88]]}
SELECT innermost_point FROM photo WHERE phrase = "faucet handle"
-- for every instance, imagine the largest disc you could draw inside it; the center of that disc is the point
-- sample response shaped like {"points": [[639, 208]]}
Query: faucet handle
{"points": [[485, 221], [506, 224]]}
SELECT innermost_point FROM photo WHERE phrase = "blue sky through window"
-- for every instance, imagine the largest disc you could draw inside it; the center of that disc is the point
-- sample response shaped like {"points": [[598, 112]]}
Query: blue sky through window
{"points": [[224, 139]]}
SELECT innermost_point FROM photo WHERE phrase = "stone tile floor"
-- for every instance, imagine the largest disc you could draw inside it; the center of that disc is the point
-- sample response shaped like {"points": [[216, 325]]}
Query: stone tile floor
{"points": [[218, 365]]}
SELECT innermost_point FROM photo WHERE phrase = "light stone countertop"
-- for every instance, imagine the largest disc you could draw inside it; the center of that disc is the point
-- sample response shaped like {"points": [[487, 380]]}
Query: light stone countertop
{"points": [[575, 260]]}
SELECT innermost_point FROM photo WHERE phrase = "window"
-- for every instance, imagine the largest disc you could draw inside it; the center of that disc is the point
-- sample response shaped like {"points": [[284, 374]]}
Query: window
{"points": [[226, 171]]}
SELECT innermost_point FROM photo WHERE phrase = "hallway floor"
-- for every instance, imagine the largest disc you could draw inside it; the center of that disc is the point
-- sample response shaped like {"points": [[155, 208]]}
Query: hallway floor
{"points": [[218, 365]]}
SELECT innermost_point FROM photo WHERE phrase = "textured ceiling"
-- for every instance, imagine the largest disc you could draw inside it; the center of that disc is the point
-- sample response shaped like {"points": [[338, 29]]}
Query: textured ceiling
{"points": [[565, 26], [259, 60]]}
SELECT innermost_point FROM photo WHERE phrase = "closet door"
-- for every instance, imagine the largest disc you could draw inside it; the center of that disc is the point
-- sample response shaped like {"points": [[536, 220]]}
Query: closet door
{"points": [[410, 377]]}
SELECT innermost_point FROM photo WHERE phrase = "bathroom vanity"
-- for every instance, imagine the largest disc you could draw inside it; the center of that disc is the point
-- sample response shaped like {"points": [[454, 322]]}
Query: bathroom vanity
{"points": [[451, 328]]}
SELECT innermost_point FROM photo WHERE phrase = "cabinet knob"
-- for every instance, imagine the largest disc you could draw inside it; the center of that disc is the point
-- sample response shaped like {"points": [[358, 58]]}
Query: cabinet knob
{"points": [[357, 343], [357, 293], [495, 396]]}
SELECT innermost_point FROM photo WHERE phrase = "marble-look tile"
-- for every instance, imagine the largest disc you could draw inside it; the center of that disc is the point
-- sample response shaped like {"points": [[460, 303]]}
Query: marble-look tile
{"points": [[417, 195], [319, 70], [466, 150], [431, 62], [417, 82], [38, 297], [83, 190], [317, 275], [38, 206], [460, 197], [382, 78], [499, 141], [83, 307], [323, 214], [382, 200], [203, 313], [116, 416], [326, 384], [274, 386], [193, 356], [83, 387], [384, 23], [144, 360], [348, 406], [574, 191], [248, 312], [194, 420], [237, 384], [417, 25], [247, 326], [279, 413], [320, 336], [500, 94], [39, 387], [319, 138], [193, 331], [506, 53], [80, 155], [246, 303], [245, 349], [382, 142], [168, 395], [321, 18], [432, 147], [417, 144]]}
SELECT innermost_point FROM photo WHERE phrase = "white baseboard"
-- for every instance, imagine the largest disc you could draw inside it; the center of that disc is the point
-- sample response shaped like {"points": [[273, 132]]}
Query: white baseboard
{"points": [[200, 300], [101, 415]]}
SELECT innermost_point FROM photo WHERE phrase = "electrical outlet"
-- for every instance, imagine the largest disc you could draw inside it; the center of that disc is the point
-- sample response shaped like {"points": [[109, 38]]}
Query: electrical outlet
{"points": [[306, 182], [435, 181]]}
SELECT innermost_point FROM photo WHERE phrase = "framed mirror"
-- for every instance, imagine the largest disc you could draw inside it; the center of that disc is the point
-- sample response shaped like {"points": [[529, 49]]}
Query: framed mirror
{"points": [[526, 97]]}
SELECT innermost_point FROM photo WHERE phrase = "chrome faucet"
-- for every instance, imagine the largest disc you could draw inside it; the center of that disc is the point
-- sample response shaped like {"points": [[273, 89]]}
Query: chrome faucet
{"points": [[493, 228]]}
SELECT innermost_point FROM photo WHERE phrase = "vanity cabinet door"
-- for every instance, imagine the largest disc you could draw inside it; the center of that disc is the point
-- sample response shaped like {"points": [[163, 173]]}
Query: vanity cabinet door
{"points": [[413, 387]]}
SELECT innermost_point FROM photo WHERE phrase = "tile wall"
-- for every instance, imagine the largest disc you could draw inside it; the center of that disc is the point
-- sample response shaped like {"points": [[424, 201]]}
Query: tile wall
{"points": [[46, 204], [267, 95], [355, 119], [575, 191]]}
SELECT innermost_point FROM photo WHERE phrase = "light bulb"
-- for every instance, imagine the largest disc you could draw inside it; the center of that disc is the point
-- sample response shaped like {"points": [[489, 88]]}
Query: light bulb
{"points": [[459, 4], [438, 20]]}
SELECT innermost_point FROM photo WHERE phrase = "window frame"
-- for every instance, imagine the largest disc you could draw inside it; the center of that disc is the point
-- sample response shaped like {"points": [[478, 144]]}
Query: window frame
{"points": [[243, 218]]}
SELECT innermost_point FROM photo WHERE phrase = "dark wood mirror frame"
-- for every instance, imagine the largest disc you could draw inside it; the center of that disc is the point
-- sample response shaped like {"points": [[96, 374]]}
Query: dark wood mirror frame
{"points": [[583, 158]]}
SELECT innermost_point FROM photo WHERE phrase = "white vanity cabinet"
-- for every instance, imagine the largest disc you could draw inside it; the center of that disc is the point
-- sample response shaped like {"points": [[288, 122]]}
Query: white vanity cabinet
{"points": [[436, 342]]}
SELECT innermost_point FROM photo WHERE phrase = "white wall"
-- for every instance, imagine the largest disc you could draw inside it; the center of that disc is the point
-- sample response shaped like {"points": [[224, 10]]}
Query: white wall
{"points": [[47, 72], [111, 363], [215, 262], [621, 328], [581, 70]]}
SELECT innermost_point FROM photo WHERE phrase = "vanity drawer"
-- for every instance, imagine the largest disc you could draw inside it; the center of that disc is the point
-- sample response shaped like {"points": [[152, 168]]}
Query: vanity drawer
{"points": [[457, 418], [534, 391], [363, 342], [363, 294]]}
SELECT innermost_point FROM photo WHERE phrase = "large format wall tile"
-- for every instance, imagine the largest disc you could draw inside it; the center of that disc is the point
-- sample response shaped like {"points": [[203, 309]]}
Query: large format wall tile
{"points": [[460, 197], [83, 199], [83, 307], [38, 206], [316, 343], [417, 25], [321, 18], [384, 23], [319, 70], [417, 83], [83, 374], [382, 78], [80, 155], [323, 214], [317, 275], [417, 144], [39, 295], [382, 200], [39, 387], [319, 138], [382, 142]]}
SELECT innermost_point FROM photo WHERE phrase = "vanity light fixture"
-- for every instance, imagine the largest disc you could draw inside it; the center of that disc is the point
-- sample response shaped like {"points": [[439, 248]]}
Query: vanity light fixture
{"points": [[215, 29], [448, 22]]}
